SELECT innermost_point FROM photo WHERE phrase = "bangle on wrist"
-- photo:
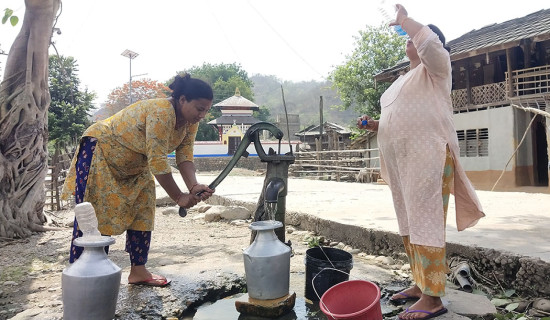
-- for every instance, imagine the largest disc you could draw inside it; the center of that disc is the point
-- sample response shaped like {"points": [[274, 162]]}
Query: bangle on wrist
{"points": [[191, 189]]}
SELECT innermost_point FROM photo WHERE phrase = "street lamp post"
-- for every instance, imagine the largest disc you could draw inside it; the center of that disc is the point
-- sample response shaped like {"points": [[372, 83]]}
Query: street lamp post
{"points": [[131, 55]]}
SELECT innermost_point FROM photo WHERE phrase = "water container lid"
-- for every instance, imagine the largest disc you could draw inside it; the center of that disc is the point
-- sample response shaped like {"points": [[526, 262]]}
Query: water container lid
{"points": [[265, 225], [94, 241]]}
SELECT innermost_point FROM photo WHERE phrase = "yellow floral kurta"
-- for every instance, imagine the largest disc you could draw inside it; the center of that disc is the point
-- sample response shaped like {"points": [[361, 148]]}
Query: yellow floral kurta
{"points": [[132, 146]]}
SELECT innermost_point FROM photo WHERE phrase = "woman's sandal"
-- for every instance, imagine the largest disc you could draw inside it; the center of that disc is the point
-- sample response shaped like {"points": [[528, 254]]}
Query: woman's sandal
{"points": [[405, 299]]}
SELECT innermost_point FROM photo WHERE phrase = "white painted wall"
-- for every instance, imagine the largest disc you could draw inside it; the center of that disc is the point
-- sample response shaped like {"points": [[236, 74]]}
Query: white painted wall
{"points": [[500, 122], [215, 148]]}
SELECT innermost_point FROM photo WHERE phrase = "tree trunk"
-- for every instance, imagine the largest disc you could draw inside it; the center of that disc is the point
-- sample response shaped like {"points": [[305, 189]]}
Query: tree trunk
{"points": [[24, 102]]}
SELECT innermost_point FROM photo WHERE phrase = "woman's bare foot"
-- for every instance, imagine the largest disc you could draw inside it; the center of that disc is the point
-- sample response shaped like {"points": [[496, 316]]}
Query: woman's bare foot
{"points": [[412, 293], [140, 275], [427, 307]]}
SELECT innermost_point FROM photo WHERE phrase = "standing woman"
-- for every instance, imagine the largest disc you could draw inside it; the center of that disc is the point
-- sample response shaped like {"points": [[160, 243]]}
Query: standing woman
{"points": [[118, 159], [419, 160]]}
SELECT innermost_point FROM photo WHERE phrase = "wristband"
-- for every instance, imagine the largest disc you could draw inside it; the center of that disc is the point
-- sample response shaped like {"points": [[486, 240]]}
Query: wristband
{"points": [[191, 189]]}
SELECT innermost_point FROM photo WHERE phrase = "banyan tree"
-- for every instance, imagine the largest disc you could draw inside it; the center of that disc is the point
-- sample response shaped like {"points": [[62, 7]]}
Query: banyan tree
{"points": [[24, 102]]}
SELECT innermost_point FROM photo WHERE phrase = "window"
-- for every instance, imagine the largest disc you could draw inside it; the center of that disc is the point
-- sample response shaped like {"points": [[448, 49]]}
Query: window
{"points": [[473, 142]]}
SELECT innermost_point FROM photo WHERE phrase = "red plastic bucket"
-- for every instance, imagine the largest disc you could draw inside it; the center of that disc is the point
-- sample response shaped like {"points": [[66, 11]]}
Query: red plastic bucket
{"points": [[353, 299]]}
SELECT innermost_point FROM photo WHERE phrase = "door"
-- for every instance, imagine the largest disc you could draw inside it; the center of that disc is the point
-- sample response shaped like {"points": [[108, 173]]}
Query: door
{"points": [[540, 155], [233, 145]]}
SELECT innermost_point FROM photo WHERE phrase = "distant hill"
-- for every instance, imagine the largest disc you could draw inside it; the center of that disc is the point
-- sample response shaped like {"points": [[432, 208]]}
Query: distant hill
{"points": [[301, 98]]}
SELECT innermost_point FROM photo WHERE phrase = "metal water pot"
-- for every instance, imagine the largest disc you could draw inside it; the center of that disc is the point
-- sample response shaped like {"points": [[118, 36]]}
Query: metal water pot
{"points": [[267, 263], [90, 285]]}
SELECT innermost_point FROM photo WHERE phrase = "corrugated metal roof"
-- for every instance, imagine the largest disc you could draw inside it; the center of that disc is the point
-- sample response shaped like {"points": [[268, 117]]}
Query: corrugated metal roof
{"points": [[502, 35]]}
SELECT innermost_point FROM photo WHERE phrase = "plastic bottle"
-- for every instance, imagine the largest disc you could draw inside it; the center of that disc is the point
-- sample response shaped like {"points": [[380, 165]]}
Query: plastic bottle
{"points": [[87, 220], [385, 8]]}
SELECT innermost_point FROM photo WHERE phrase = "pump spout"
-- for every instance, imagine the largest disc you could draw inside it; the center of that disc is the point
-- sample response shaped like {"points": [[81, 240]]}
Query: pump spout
{"points": [[272, 190]]}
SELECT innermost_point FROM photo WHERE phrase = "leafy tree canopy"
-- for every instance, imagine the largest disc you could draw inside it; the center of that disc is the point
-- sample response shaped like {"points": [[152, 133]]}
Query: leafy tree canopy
{"points": [[68, 112], [143, 89], [376, 49], [224, 79]]}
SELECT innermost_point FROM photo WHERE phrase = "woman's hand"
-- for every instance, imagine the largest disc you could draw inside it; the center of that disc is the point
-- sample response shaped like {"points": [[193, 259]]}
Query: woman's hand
{"points": [[370, 125], [186, 200], [202, 190], [400, 15]]}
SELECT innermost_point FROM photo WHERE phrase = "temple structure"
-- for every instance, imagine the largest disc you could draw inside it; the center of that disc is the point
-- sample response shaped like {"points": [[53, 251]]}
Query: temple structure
{"points": [[236, 118]]}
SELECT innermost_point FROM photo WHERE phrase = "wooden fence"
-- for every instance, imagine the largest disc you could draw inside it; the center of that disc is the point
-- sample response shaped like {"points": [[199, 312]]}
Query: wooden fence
{"points": [[58, 165], [361, 165]]}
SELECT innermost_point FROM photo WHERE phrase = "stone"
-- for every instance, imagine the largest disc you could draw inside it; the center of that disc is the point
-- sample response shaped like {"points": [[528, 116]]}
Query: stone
{"points": [[273, 308], [212, 216], [542, 305], [170, 211], [468, 304], [203, 208], [384, 260], [28, 314]]}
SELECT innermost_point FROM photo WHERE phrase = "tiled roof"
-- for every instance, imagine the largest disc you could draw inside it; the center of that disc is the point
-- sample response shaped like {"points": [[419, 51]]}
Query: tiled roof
{"points": [[237, 101], [503, 35], [497, 36], [327, 126]]}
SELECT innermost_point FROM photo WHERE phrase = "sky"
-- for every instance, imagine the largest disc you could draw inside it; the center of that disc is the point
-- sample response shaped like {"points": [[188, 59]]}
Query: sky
{"points": [[293, 40]]}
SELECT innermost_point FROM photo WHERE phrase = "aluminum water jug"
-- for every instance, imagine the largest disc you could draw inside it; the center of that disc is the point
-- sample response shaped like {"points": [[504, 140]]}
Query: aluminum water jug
{"points": [[267, 263], [90, 285]]}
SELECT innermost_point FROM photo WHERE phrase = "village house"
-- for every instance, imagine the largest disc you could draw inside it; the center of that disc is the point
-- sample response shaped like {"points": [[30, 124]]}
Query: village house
{"points": [[501, 100], [333, 137]]}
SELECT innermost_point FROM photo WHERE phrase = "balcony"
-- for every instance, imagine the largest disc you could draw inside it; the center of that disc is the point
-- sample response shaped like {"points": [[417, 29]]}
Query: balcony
{"points": [[528, 84]]}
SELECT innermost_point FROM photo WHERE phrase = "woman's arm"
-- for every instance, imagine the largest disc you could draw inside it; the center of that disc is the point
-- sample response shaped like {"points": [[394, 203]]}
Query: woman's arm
{"points": [[186, 200], [187, 170]]}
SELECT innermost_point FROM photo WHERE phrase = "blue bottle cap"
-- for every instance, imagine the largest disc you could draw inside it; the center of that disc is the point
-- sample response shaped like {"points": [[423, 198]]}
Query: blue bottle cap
{"points": [[364, 122], [399, 30]]}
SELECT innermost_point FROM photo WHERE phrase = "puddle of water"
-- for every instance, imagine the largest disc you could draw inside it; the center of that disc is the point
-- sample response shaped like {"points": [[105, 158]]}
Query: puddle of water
{"points": [[304, 309]]}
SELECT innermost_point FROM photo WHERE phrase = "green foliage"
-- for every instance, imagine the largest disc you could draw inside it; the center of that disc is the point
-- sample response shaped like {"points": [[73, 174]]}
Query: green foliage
{"points": [[68, 112], [376, 49], [263, 114], [313, 242], [206, 131], [301, 98], [8, 15], [224, 79]]}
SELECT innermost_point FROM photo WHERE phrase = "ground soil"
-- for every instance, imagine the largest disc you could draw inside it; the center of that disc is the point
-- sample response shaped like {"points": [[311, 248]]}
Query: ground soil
{"points": [[31, 269]]}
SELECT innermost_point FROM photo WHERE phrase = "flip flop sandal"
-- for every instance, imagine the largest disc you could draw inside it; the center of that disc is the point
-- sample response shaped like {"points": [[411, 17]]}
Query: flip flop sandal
{"points": [[404, 300], [428, 315]]}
